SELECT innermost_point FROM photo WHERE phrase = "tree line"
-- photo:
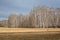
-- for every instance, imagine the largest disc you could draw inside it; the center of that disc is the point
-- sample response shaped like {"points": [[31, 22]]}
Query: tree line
{"points": [[39, 17]]}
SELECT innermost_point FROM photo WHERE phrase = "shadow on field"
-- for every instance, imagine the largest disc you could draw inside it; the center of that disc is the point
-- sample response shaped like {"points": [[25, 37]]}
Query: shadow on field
{"points": [[29, 36]]}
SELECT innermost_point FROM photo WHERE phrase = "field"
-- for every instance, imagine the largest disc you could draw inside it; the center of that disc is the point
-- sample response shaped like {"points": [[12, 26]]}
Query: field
{"points": [[29, 33]]}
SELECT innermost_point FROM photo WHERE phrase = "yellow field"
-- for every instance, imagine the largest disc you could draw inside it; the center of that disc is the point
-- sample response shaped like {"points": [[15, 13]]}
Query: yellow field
{"points": [[29, 33], [29, 29]]}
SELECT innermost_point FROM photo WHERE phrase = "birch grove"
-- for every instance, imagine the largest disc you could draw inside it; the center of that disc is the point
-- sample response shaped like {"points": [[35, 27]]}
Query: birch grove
{"points": [[39, 17]]}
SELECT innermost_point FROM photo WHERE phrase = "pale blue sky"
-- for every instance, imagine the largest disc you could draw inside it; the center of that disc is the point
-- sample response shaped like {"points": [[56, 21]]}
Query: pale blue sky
{"points": [[23, 6]]}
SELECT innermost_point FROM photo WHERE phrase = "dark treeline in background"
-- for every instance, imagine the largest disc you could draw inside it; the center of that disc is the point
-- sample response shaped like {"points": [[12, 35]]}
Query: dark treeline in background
{"points": [[39, 17]]}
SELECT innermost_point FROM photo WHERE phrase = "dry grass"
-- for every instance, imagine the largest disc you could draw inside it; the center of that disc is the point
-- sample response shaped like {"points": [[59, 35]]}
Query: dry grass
{"points": [[29, 29], [29, 33], [29, 36]]}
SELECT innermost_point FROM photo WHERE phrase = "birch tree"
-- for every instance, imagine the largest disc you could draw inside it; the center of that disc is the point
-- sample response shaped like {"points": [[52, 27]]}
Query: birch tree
{"points": [[13, 20], [51, 17], [58, 18]]}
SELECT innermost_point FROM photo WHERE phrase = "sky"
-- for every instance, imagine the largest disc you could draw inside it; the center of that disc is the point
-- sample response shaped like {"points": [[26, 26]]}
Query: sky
{"points": [[8, 7]]}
